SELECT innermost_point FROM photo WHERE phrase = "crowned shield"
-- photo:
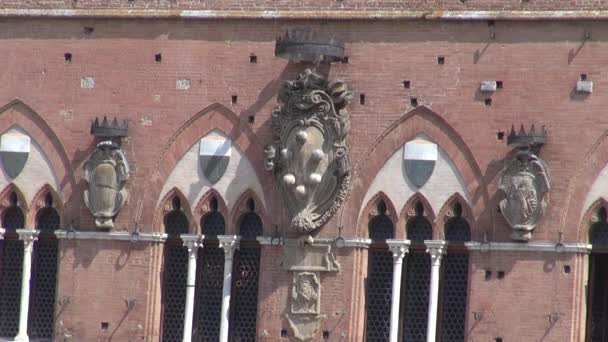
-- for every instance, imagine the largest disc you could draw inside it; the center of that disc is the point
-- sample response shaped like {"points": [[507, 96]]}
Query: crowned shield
{"points": [[14, 151], [310, 154], [419, 159], [214, 156]]}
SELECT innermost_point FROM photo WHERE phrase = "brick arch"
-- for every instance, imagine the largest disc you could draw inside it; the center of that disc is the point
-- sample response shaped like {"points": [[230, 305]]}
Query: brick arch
{"points": [[215, 117], [446, 213], [38, 203], [370, 211], [203, 208], [579, 185], [409, 210], [590, 217], [240, 209], [21, 203], [18, 114], [166, 205], [421, 120]]}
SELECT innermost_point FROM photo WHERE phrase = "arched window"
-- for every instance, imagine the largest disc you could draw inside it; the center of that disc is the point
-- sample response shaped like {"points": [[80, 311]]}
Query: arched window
{"points": [[245, 278], [44, 274], [379, 277], [209, 277], [11, 268], [597, 298], [453, 297], [415, 293], [175, 270]]}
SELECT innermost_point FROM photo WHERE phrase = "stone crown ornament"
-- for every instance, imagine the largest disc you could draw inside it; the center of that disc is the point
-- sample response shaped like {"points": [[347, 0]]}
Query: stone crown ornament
{"points": [[310, 155], [106, 173], [525, 183]]}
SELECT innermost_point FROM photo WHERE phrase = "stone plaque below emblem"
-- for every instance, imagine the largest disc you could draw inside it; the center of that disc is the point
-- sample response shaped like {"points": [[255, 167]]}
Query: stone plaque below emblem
{"points": [[14, 151], [214, 156], [419, 158], [309, 258]]}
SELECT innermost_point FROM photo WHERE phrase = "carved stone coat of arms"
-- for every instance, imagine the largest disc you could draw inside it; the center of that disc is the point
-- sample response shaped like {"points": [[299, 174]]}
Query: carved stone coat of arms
{"points": [[106, 173], [310, 154], [525, 183]]}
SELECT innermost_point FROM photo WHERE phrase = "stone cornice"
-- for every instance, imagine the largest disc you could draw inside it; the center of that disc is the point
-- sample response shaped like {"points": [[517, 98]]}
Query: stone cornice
{"points": [[120, 236], [379, 14], [529, 247]]}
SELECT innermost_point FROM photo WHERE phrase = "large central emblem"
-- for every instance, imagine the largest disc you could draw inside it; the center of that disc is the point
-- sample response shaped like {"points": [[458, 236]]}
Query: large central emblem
{"points": [[310, 155]]}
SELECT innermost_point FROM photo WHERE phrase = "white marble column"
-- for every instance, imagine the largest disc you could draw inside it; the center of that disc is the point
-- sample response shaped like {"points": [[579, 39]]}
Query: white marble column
{"points": [[229, 243], [192, 242], [28, 237], [436, 249], [398, 248]]}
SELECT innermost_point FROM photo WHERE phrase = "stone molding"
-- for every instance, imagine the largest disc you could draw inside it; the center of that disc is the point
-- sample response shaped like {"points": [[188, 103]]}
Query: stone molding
{"points": [[120, 236], [481, 15], [545, 246]]}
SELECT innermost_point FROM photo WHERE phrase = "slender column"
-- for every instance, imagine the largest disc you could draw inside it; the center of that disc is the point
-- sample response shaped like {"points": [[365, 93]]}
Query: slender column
{"points": [[229, 243], [398, 248], [192, 242], [28, 237], [436, 249]]}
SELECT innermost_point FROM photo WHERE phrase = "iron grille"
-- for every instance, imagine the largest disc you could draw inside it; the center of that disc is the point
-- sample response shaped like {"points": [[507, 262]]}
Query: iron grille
{"points": [[213, 224], [244, 307], [419, 229], [381, 228], [457, 229], [379, 287], [10, 286], [209, 283], [598, 232], [454, 301], [13, 218], [176, 223], [48, 220], [174, 291], [44, 280], [251, 226], [416, 296]]}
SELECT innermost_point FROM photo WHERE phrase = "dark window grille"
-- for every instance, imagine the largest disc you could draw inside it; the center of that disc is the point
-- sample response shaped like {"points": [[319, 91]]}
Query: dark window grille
{"points": [[418, 227], [11, 269], [381, 227], [598, 232], [245, 275], [209, 284], [175, 271], [44, 277], [416, 296], [10, 285], [457, 228], [176, 222], [379, 287]]}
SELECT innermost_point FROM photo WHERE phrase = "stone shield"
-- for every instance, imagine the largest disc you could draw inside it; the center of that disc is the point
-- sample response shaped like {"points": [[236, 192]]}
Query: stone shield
{"points": [[14, 152], [419, 159], [310, 155], [214, 156]]}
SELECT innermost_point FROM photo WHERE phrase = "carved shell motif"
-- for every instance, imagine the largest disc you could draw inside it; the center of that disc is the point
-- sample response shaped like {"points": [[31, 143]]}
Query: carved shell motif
{"points": [[310, 155]]}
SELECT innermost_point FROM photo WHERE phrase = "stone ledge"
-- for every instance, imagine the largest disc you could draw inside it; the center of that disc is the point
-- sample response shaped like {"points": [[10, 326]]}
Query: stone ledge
{"points": [[320, 14], [529, 247], [119, 236]]}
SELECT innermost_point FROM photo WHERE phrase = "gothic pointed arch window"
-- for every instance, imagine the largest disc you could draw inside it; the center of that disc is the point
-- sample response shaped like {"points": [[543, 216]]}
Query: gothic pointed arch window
{"points": [[245, 277], [44, 274], [175, 272], [597, 295], [379, 276], [454, 288], [11, 267], [209, 277], [415, 293]]}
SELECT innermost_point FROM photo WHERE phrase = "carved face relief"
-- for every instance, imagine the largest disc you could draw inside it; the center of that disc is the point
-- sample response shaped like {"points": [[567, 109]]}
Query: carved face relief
{"points": [[310, 154], [305, 293], [525, 183], [106, 173]]}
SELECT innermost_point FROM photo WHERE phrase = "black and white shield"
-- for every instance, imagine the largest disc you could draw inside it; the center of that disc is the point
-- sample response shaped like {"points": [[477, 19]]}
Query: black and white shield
{"points": [[14, 150], [419, 158], [214, 156]]}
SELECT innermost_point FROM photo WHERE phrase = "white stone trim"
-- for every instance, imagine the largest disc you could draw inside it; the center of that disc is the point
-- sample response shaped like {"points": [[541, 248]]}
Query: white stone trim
{"points": [[399, 248], [319, 14], [554, 247], [346, 242], [120, 236]]}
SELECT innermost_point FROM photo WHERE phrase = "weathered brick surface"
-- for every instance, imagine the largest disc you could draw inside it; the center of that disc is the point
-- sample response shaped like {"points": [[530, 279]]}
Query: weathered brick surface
{"points": [[538, 62]]}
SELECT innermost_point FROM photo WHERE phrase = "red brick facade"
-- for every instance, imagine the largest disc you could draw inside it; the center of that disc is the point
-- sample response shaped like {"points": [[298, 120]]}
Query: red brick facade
{"points": [[539, 63]]}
